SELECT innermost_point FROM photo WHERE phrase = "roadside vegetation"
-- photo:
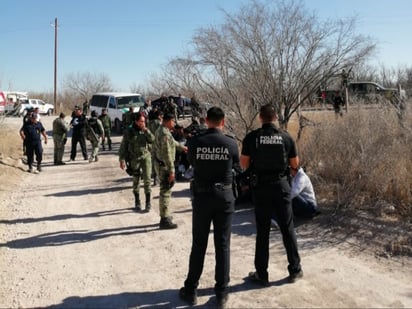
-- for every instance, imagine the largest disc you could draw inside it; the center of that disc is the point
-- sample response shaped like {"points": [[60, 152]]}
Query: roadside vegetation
{"points": [[280, 52], [362, 160]]}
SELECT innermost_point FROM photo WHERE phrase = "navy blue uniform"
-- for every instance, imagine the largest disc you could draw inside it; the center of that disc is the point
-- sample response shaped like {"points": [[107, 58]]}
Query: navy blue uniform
{"points": [[32, 141], [213, 156], [272, 195]]}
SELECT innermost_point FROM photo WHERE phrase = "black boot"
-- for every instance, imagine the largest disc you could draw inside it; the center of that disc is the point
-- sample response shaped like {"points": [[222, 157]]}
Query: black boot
{"points": [[137, 205], [110, 146], [148, 205], [167, 224]]}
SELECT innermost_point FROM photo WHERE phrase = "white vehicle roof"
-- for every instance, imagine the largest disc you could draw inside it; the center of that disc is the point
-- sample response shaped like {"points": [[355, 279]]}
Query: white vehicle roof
{"points": [[118, 94]]}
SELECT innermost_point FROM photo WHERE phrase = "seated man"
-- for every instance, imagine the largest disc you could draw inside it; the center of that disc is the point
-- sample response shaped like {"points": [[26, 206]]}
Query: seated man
{"points": [[302, 194], [304, 203]]}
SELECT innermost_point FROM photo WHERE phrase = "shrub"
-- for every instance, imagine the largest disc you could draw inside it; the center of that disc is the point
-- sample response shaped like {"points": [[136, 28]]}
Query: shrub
{"points": [[363, 158]]}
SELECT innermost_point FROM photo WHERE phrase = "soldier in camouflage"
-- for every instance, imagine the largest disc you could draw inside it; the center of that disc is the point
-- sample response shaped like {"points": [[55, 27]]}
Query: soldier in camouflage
{"points": [[164, 148], [154, 122], [60, 129], [170, 108], [95, 131], [135, 152], [127, 118], [107, 126]]}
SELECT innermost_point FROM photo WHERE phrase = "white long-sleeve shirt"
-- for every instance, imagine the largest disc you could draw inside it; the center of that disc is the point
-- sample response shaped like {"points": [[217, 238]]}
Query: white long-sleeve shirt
{"points": [[302, 186]]}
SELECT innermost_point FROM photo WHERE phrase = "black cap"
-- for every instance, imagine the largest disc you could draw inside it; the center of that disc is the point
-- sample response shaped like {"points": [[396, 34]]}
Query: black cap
{"points": [[168, 116]]}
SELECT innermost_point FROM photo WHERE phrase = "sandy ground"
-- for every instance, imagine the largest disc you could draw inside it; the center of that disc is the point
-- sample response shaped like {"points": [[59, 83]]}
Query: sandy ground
{"points": [[69, 238]]}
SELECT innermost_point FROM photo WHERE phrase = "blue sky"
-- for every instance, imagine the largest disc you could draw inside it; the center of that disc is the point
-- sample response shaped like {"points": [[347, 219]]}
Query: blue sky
{"points": [[130, 39]]}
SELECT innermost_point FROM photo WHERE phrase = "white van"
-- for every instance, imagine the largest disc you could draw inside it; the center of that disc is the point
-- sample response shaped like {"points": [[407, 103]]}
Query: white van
{"points": [[116, 104]]}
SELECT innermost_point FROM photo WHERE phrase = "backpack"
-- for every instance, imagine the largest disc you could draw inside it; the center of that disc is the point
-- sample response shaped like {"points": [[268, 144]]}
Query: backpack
{"points": [[270, 157]]}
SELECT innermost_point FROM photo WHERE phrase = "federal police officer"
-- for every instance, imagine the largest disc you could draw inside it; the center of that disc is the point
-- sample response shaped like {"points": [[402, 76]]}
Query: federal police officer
{"points": [[78, 123], [31, 135], [164, 149], [135, 150], [213, 156], [268, 152]]}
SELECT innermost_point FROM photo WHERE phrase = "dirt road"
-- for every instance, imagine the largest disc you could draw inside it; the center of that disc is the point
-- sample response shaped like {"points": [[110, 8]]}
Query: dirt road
{"points": [[69, 238]]}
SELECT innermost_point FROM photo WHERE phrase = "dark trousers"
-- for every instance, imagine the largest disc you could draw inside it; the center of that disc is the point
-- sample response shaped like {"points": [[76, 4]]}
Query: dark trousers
{"points": [[274, 198], [216, 207], [32, 149], [78, 138], [303, 208]]}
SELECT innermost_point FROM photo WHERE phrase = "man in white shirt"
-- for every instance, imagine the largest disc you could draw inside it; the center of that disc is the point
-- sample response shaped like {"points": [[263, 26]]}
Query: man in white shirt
{"points": [[303, 196]]}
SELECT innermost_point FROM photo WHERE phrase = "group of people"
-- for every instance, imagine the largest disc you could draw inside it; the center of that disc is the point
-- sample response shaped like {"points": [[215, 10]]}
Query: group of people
{"points": [[96, 129], [268, 153]]}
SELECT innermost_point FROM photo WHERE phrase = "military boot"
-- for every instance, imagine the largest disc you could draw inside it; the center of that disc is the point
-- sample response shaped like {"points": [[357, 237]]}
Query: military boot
{"points": [[167, 224], [148, 205], [137, 204]]}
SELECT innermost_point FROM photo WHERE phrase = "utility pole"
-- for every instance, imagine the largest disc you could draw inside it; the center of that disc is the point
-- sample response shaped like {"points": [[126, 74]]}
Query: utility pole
{"points": [[57, 109]]}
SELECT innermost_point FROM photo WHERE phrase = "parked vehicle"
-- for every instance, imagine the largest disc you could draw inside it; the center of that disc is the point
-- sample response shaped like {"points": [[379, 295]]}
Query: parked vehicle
{"points": [[44, 108], [9, 101], [370, 92], [3, 102], [116, 104]]}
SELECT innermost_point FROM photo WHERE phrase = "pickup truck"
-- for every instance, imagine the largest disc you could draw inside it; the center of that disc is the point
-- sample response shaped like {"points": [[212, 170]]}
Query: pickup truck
{"points": [[44, 108]]}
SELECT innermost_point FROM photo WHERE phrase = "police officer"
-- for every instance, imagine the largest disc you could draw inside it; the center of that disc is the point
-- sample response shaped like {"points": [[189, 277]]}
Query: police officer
{"points": [[107, 126], [31, 135], [164, 149], [213, 156], [268, 152], [135, 150], [60, 129], [78, 123], [95, 131]]}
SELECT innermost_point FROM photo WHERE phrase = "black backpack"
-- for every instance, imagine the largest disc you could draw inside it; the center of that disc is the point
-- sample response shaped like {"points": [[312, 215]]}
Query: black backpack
{"points": [[270, 157]]}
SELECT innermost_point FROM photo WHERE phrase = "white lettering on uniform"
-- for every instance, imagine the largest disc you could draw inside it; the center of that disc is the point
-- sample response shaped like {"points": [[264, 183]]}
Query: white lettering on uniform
{"points": [[271, 139], [212, 153]]}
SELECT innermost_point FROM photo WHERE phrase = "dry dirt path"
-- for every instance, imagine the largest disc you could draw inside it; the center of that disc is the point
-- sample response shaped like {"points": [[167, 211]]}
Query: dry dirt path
{"points": [[69, 238]]}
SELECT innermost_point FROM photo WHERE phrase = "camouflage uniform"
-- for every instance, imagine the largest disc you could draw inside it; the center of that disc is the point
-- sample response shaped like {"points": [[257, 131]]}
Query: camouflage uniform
{"points": [[60, 129], [107, 126], [170, 108], [135, 151], [94, 131], [153, 125], [164, 149], [127, 120]]}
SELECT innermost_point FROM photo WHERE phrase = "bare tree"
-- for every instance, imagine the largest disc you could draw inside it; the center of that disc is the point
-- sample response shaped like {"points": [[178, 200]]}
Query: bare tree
{"points": [[273, 53], [86, 84]]}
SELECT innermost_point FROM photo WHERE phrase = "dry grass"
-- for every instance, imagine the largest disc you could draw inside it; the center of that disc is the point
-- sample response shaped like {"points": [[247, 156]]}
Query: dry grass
{"points": [[363, 159]]}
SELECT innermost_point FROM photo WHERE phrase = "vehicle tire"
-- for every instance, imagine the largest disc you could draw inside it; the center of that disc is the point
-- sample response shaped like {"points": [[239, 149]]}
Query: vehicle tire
{"points": [[118, 126]]}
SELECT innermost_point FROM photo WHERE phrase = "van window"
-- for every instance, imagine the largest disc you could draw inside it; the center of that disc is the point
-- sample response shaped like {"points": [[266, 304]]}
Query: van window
{"points": [[130, 101], [112, 102], [99, 101]]}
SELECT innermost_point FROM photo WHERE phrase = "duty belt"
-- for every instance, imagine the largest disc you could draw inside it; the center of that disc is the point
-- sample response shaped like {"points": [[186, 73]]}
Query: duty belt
{"points": [[209, 188]]}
